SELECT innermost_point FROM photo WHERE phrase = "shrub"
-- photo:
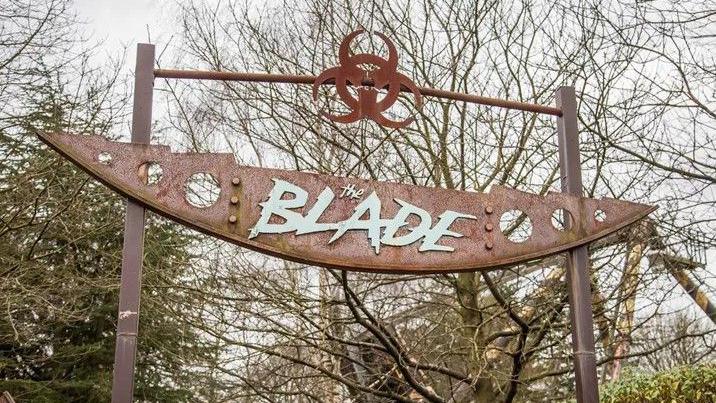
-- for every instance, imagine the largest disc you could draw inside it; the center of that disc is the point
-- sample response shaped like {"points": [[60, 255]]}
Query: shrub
{"points": [[692, 384]]}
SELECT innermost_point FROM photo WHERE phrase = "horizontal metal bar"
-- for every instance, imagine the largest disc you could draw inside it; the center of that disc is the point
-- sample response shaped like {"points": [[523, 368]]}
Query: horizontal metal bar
{"points": [[305, 79]]}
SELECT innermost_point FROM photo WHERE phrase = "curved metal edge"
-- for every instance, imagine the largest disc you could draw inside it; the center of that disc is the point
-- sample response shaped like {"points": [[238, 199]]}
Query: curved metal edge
{"points": [[388, 268]]}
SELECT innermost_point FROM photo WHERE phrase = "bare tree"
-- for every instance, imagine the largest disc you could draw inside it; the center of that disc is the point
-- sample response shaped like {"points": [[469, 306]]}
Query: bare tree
{"points": [[297, 333]]}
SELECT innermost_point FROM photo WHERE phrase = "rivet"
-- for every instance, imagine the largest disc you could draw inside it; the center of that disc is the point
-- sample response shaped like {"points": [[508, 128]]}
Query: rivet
{"points": [[488, 227], [232, 219], [234, 199], [488, 210], [236, 181], [488, 245]]}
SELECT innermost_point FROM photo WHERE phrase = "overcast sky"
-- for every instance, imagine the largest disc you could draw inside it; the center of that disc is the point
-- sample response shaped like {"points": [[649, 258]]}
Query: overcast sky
{"points": [[124, 23]]}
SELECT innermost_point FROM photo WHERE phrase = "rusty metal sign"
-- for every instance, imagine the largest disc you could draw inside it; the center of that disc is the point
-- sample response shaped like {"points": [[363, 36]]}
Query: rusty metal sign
{"points": [[346, 223], [349, 223], [367, 82]]}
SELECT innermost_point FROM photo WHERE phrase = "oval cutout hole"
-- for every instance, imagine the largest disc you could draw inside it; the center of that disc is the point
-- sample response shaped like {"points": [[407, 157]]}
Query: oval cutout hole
{"points": [[562, 219], [104, 158], [150, 173], [600, 215], [516, 226], [202, 190]]}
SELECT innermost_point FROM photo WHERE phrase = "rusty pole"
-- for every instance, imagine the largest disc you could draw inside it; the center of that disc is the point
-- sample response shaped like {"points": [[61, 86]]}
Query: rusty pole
{"points": [[132, 253], [578, 278], [307, 79]]}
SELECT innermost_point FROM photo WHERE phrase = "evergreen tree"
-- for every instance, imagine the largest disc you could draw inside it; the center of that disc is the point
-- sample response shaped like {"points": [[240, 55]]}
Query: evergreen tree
{"points": [[60, 261]]}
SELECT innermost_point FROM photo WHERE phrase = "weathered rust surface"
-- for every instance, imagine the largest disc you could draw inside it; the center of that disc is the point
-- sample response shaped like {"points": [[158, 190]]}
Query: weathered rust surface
{"points": [[243, 188], [385, 76]]}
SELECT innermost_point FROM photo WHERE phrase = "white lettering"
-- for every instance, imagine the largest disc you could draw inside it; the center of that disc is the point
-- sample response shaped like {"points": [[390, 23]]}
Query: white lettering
{"points": [[309, 223], [441, 229], [370, 207], [399, 221], [276, 206], [351, 192]]}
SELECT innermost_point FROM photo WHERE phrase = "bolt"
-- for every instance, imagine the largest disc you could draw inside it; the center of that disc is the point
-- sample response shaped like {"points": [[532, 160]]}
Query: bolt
{"points": [[236, 181], [232, 219], [234, 199], [488, 210], [488, 227], [488, 245]]}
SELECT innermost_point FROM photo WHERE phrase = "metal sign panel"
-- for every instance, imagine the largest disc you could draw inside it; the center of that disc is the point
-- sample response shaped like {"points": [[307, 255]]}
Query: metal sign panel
{"points": [[350, 224], [346, 223]]}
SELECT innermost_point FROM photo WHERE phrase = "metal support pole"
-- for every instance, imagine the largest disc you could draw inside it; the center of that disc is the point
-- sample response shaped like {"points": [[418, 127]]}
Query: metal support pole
{"points": [[133, 251], [305, 79], [578, 278]]}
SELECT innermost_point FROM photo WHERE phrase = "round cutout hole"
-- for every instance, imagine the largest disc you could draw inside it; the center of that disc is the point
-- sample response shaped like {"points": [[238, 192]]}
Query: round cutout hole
{"points": [[562, 219], [202, 190], [516, 226], [150, 173], [600, 215], [104, 158]]}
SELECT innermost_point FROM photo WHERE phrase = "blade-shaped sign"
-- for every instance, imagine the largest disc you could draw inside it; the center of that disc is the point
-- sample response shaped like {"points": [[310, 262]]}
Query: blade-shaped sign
{"points": [[346, 223]]}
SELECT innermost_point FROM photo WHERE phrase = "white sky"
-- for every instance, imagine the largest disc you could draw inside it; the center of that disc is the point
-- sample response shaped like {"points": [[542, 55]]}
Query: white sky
{"points": [[124, 23], [121, 24]]}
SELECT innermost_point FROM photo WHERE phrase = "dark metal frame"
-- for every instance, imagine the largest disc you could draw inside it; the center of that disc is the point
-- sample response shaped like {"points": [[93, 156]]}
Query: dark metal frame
{"points": [[578, 272], [133, 250]]}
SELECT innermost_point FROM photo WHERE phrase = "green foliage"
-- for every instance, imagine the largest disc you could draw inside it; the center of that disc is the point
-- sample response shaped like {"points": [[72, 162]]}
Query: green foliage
{"points": [[62, 252], [695, 384], [60, 260]]}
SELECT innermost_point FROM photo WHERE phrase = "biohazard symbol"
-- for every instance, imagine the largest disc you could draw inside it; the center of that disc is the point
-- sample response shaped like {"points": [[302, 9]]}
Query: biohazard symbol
{"points": [[368, 83]]}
